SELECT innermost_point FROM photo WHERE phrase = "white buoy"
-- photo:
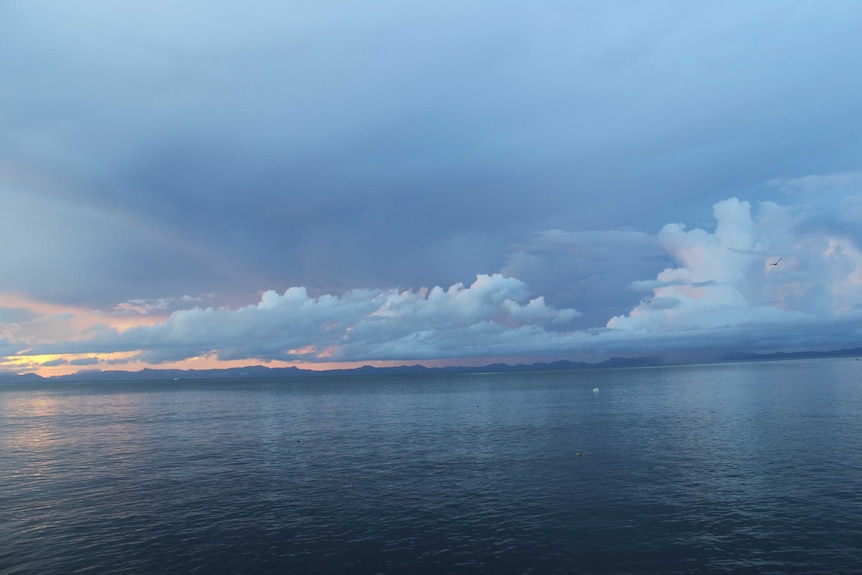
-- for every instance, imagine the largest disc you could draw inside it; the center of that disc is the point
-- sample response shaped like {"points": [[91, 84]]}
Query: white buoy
{"points": [[595, 390]]}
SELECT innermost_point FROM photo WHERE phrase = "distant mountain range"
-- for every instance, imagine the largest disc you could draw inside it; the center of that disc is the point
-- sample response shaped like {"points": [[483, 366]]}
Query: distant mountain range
{"points": [[258, 372]]}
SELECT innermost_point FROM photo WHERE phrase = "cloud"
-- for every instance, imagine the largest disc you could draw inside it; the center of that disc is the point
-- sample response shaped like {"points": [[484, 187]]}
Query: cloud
{"points": [[825, 204], [223, 149], [59, 247], [85, 361], [821, 184], [755, 279], [493, 315], [9, 347], [728, 278], [590, 270], [157, 306]]}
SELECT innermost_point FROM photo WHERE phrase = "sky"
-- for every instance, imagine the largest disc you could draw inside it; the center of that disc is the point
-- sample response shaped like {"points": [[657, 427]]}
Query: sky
{"points": [[322, 184]]}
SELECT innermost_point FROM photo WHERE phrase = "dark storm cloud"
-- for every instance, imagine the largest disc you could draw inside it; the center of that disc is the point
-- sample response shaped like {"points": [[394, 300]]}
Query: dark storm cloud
{"points": [[343, 145], [590, 270]]}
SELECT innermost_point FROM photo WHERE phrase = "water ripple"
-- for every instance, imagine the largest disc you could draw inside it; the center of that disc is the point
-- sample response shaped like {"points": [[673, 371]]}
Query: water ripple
{"points": [[711, 469]]}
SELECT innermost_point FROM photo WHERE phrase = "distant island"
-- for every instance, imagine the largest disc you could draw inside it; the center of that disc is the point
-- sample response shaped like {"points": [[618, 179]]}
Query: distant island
{"points": [[261, 372]]}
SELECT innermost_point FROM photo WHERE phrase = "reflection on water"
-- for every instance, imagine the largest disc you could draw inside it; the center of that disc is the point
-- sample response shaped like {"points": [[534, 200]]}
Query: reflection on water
{"points": [[726, 468]]}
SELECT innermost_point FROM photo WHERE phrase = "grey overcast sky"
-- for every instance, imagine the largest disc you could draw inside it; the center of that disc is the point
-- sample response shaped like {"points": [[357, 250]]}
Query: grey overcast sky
{"points": [[216, 183]]}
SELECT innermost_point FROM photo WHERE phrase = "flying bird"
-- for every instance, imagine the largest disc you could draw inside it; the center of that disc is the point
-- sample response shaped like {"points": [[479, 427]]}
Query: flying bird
{"points": [[775, 263]]}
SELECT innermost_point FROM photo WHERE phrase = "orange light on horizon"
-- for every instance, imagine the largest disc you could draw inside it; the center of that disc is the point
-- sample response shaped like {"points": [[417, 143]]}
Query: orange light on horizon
{"points": [[50, 365]]}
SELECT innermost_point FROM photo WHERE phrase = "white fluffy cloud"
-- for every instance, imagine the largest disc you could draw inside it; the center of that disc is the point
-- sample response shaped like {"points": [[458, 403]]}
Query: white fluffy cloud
{"points": [[770, 268], [492, 316]]}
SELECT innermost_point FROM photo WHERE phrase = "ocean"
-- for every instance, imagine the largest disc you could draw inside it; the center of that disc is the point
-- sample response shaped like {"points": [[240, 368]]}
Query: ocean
{"points": [[725, 468]]}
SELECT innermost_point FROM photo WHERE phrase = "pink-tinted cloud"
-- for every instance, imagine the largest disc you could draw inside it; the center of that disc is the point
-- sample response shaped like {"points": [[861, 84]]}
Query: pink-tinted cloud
{"points": [[766, 268]]}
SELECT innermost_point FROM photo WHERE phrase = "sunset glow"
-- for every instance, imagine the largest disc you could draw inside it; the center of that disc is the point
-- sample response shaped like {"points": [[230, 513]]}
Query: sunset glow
{"points": [[282, 187]]}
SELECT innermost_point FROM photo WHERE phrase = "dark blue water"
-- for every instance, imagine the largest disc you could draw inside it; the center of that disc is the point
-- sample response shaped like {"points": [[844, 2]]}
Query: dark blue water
{"points": [[745, 468]]}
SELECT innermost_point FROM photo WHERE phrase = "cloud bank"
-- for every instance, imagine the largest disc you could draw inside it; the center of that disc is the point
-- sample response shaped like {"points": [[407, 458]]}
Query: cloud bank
{"points": [[763, 278], [492, 316]]}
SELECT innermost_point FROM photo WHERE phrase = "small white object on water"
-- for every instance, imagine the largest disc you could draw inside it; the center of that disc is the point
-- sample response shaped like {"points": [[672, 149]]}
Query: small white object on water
{"points": [[595, 390]]}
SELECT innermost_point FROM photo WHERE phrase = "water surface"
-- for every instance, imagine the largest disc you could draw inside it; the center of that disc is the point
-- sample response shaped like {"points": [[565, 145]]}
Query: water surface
{"points": [[733, 468]]}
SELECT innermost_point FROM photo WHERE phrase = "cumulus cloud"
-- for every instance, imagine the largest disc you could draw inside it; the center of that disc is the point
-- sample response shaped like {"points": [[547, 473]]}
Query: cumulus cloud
{"points": [[492, 316], [762, 269]]}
